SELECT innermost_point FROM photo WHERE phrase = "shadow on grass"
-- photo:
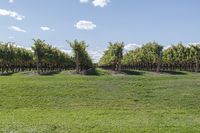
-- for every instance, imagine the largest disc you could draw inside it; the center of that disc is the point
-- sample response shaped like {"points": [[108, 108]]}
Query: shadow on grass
{"points": [[174, 72], [49, 73], [131, 72], [6, 74], [92, 72], [99, 72]]}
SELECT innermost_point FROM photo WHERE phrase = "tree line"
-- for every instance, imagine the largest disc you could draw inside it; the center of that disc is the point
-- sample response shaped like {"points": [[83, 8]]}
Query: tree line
{"points": [[152, 57], [43, 58], [15, 59]]}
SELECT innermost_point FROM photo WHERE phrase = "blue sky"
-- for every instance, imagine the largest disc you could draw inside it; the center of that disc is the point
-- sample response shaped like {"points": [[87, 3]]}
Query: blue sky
{"points": [[100, 21]]}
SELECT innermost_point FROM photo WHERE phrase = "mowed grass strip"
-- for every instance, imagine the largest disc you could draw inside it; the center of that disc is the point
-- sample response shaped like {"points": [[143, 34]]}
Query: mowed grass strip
{"points": [[159, 103]]}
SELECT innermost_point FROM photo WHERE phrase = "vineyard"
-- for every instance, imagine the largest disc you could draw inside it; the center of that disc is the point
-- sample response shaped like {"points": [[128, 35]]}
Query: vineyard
{"points": [[99, 66], [149, 89], [152, 57], [44, 58]]}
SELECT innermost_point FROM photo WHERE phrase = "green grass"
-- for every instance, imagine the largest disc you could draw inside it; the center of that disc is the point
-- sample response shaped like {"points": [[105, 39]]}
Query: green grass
{"points": [[142, 103]]}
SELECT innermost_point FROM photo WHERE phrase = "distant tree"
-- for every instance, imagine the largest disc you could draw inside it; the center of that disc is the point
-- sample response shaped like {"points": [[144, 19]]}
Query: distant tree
{"points": [[13, 58], [145, 57], [195, 55], [82, 58], [133, 58], [178, 56], [38, 51], [180, 52], [152, 54], [49, 58], [113, 56]]}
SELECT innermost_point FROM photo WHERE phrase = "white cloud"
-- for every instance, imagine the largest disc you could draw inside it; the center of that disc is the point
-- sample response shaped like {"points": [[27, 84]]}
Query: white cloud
{"points": [[96, 3], [166, 47], [131, 46], [85, 25], [100, 3], [95, 55], [15, 28], [186, 45], [69, 52], [84, 1], [12, 14], [194, 43], [11, 1], [45, 28], [20, 46]]}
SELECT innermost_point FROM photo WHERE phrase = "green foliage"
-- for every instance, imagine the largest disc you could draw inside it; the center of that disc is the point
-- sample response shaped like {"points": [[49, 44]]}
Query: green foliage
{"points": [[12, 57], [10, 54], [50, 55], [113, 56], [152, 54], [181, 55], [46, 58], [177, 54], [133, 57], [81, 56], [195, 53], [168, 56], [147, 55], [15, 59]]}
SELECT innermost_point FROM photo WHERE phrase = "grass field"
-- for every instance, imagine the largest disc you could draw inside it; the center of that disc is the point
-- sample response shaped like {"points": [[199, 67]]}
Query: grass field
{"points": [[139, 102]]}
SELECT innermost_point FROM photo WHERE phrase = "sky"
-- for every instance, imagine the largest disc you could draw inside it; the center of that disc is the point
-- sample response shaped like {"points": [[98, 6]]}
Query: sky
{"points": [[98, 22]]}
